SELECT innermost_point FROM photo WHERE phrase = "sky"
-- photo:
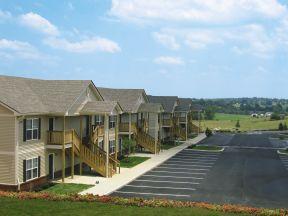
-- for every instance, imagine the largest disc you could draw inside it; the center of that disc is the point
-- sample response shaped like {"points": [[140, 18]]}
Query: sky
{"points": [[187, 48]]}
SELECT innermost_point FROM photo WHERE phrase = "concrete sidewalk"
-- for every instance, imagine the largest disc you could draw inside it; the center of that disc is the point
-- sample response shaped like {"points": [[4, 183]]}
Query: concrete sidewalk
{"points": [[108, 185]]}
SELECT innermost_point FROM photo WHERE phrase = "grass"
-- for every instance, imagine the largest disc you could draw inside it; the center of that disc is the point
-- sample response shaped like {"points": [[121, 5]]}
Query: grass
{"points": [[45, 207], [65, 188], [206, 148], [247, 123], [170, 144], [129, 162]]}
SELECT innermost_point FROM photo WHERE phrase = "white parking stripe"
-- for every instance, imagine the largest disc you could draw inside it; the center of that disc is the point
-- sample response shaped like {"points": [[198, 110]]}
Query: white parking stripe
{"points": [[174, 182], [191, 160], [155, 194], [197, 156], [178, 172], [176, 177], [192, 165], [143, 186], [179, 168]]}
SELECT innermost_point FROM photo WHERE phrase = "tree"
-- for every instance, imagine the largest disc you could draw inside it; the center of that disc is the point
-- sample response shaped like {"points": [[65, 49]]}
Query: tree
{"points": [[275, 116], [128, 146], [209, 113], [208, 132], [280, 127], [237, 124]]}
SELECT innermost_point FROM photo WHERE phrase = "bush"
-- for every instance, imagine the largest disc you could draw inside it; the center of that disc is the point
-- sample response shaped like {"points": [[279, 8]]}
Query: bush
{"points": [[128, 146], [237, 124], [285, 126], [208, 132], [280, 127]]}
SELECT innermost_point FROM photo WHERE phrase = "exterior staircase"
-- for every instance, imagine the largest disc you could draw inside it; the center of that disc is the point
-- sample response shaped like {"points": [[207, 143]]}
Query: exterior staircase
{"points": [[147, 142]]}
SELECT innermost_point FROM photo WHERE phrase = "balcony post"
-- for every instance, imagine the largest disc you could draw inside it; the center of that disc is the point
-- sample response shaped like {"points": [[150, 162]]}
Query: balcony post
{"points": [[81, 138], [72, 156], [156, 134], [106, 142], [63, 151], [130, 125], [186, 132], [117, 136]]}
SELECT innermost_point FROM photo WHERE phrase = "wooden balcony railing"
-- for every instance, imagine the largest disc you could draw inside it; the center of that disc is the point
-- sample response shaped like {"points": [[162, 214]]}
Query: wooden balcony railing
{"points": [[182, 119], [167, 122], [93, 157], [147, 142], [124, 127], [98, 131]]}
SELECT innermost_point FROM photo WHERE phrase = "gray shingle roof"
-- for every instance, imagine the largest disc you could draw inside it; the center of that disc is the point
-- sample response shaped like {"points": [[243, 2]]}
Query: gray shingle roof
{"points": [[127, 98], [167, 102], [30, 96], [184, 105], [99, 107], [150, 107]]}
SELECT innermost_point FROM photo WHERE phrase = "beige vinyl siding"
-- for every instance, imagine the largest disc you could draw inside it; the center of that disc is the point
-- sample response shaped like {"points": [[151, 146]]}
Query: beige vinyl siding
{"points": [[153, 125], [33, 148], [7, 146]]}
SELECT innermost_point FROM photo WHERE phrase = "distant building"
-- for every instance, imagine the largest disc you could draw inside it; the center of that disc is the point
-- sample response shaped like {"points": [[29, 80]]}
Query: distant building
{"points": [[254, 115], [268, 114]]}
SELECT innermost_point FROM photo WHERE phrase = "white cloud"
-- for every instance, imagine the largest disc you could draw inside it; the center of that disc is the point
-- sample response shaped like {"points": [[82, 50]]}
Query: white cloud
{"points": [[39, 23], [251, 39], [70, 6], [210, 11], [4, 15], [12, 49], [166, 40], [85, 46], [170, 60]]}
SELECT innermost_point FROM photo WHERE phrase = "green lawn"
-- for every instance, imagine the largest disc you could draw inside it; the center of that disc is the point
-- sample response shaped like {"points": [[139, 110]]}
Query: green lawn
{"points": [[132, 161], [170, 144], [206, 148], [44, 207], [65, 188], [247, 123]]}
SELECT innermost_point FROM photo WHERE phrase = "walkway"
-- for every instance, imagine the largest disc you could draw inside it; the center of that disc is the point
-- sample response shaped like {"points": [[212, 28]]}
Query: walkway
{"points": [[106, 186]]}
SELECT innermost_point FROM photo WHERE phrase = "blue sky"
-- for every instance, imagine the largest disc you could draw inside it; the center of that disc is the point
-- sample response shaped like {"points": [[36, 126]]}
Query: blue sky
{"points": [[188, 48]]}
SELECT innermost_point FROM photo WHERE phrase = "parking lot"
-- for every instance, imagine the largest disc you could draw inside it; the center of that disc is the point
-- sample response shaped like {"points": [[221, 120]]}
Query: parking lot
{"points": [[249, 172]]}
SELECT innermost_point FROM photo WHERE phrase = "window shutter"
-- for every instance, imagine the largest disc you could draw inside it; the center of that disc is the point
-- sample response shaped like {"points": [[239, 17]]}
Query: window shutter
{"points": [[24, 130], [39, 128], [39, 166], [24, 170]]}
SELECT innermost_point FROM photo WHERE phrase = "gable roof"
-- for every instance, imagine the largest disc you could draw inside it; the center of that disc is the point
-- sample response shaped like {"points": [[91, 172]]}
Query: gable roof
{"points": [[129, 99], [184, 105], [168, 102], [100, 107], [151, 108], [35, 96]]}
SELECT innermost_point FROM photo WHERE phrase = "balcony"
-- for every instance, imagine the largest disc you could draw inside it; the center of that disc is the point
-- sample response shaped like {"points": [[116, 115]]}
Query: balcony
{"points": [[167, 123], [124, 127]]}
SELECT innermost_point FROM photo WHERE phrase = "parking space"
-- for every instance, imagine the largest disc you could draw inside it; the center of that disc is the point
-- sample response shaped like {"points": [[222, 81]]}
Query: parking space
{"points": [[249, 172], [284, 159], [176, 178]]}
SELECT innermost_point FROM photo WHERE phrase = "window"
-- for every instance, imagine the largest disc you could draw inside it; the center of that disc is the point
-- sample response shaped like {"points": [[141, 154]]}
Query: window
{"points": [[32, 128], [112, 122], [101, 144], [112, 146], [98, 120], [32, 168]]}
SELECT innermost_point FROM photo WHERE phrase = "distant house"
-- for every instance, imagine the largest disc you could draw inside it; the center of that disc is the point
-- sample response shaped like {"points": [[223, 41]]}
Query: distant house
{"points": [[254, 115], [268, 114]]}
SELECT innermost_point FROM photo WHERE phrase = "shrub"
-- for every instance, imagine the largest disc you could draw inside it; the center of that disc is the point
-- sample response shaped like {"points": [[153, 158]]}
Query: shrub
{"points": [[284, 126], [275, 116], [208, 132], [128, 146], [237, 124], [280, 127]]}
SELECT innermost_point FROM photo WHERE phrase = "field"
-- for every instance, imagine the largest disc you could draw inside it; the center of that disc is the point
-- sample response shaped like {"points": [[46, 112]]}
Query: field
{"points": [[247, 123]]}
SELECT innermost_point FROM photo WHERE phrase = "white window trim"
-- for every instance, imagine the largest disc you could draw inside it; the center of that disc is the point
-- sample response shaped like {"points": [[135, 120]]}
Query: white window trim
{"points": [[32, 168], [28, 119]]}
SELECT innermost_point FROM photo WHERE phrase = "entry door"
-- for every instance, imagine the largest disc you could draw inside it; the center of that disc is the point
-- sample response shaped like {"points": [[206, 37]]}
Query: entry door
{"points": [[51, 166], [51, 124]]}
